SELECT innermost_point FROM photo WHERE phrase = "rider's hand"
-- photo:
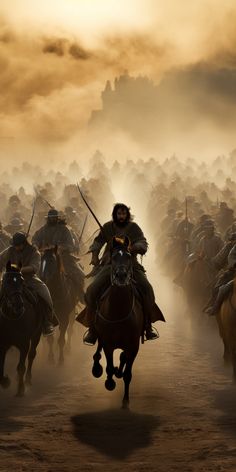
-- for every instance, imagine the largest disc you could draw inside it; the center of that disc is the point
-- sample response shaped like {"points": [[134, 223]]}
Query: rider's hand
{"points": [[94, 260]]}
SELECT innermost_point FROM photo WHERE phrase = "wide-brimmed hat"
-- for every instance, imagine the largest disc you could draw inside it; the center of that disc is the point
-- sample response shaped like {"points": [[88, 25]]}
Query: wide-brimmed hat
{"points": [[19, 238], [53, 213], [16, 222]]}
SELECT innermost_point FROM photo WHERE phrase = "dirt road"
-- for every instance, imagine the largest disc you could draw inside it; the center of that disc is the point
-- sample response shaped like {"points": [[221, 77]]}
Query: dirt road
{"points": [[182, 416]]}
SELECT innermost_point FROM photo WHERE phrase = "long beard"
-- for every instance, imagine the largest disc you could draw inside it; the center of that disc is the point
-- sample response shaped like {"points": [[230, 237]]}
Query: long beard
{"points": [[121, 224]]}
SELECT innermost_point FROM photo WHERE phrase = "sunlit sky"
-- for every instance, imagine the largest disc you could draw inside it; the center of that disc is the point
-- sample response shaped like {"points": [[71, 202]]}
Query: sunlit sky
{"points": [[49, 89], [186, 24]]}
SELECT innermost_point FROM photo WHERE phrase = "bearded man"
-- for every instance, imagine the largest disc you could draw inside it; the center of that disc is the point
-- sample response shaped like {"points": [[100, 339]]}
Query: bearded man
{"points": [[120, 226]]}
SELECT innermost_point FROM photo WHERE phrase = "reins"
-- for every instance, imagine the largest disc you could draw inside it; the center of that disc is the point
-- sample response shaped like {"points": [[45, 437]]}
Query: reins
{"points": [[122, 320]]}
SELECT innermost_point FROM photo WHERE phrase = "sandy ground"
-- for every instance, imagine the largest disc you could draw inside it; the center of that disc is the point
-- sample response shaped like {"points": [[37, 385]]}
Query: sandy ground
{"points": [[182, 415]]}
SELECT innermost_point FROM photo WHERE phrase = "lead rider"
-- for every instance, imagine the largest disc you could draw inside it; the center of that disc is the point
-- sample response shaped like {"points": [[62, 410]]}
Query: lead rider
{"points": [[120, 226]]}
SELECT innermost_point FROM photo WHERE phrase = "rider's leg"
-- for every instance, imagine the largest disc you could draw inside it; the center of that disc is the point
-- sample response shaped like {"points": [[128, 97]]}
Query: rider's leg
{"points": [[223, 292], [92, 296], [49, 317], [208, 307], [148, 301], [75, 273]]}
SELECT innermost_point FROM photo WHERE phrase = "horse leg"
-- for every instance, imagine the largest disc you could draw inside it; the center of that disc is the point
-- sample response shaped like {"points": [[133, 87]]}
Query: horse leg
{"points": [[61, 343], [110, 383], [51, 358], [21, 370], [234, 366], [119, 370], [31, 357], [97, 369], [70, 333], [127, 377], [4, 380], [227, 355]]}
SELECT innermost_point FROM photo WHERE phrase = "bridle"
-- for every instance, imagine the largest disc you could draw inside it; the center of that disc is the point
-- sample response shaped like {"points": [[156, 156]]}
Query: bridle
{"points": [[7, 301], [114, 283]]}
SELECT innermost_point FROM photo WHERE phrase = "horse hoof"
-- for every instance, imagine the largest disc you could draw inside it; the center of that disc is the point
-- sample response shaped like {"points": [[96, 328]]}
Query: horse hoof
{"points": [[97, 371], [110, 385], [5, 382], [118, 373]]}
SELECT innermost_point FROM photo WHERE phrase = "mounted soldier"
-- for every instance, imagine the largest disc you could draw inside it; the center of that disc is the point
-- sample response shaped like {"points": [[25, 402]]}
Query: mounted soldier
{"points": [[56, 234], [26, 256], [15, 225], [223, 285], [15, 206], [211, 243], [120, 226], [5, 239]]}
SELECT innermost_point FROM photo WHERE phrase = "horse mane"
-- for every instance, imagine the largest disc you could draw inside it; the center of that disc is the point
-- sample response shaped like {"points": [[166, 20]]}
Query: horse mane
{"points": [[121, 243], [13, 267]]}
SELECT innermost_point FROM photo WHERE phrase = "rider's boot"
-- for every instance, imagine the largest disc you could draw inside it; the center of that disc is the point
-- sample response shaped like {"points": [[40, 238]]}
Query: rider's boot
{"points": [[150, 333], [49, 322]]}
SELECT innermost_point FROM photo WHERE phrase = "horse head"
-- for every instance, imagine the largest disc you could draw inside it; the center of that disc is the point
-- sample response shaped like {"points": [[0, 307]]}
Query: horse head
{"points": [[12, 303], [121, 262]]}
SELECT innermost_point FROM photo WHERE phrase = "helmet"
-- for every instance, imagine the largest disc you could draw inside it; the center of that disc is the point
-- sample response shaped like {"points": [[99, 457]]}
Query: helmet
{"points": [[16, 222], [208, 224], [53, 213], [69, 210], [18, 239], [14, 199]]}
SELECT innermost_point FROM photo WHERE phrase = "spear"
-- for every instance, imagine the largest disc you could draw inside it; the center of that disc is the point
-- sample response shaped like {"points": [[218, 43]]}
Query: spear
{"points": [[82, 232], [90, 209], [32, 217]]}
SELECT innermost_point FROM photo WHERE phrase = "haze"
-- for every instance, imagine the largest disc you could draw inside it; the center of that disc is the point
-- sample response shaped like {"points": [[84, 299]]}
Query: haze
{"points": [[56, 57]]}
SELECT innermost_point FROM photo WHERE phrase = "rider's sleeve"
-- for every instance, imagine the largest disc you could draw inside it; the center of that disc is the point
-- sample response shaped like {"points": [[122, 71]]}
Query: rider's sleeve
{"points": [[97, 244], [139, 242], [37, 239], [66, 240], [99, 241], [35, 261], [3, 259]]}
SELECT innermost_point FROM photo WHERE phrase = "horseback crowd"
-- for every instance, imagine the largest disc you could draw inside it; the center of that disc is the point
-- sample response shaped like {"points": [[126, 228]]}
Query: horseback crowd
{"points": [[46, 235], [43, 282], [195, 234]]}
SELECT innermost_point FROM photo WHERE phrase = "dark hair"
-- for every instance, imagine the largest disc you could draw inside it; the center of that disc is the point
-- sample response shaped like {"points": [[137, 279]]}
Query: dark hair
{"points": [[121, 206]]}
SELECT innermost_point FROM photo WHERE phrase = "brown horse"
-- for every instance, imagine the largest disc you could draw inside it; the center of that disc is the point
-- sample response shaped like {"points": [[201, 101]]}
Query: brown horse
{"points": [[226, 319], [197, 280], [63, 295], [20, 326], [120, 321]]}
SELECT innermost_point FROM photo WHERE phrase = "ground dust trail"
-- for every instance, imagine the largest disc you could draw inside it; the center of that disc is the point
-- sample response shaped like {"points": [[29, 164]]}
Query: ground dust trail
{"points": [[182, 414]]}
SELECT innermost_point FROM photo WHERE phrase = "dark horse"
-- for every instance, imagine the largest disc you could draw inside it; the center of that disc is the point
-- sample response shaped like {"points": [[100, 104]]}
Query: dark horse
{"points": [[119, 321], [63, 296], [20, 326]]}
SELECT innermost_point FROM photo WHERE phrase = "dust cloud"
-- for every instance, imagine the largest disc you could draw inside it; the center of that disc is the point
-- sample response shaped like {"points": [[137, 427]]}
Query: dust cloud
{"points": [[55, 62]]}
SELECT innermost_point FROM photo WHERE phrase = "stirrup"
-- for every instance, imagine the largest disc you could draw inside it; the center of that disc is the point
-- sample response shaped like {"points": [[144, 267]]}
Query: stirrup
{"points": [[49, 332], [88, 343], [152, 339]]}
